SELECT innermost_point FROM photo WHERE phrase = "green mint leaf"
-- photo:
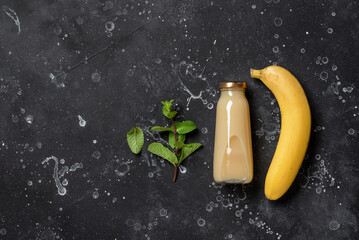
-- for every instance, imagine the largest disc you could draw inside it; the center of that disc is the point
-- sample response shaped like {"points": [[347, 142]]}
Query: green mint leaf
{"points": [[172, 114], [135, 139], [161, 129], [167, 109], [171, 139], [185, 127], [167, 104], [187, 150], [179, 144], [163, 152]]}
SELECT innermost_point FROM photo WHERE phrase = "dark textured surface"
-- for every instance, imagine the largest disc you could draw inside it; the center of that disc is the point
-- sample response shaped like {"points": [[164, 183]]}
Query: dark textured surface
{"points": [[59, 65]]}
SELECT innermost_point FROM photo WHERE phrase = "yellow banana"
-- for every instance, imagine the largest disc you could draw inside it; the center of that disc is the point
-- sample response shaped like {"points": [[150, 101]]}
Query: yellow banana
{"points": [[295, 129]]}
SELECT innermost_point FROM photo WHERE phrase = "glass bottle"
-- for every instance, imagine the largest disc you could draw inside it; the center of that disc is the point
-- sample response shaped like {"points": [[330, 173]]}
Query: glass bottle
{"points": [[233, 157]]}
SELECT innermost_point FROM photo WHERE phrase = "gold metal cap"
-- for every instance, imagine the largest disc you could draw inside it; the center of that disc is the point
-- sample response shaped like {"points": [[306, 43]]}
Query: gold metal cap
{"points": [[233, 85]]}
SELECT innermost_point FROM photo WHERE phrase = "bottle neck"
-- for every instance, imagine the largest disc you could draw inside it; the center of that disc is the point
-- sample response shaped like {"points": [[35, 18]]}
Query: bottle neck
{"points": [[233, 92]]}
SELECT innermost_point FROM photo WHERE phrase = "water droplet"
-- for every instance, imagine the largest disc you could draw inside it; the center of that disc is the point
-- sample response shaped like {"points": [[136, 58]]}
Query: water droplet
{"points": [[109, 26], [318, 190], [48, 235], [351, 131], [334, 225], [325, 60], [182, 169], [29, 119], [57, 30], [65, 182], [238, 213], [330, 30], [275, 49], [209, 207], [96, 77], [79, 20], [210, 105], [254, 6], [278, 21], [334, 67], [333, 14], [108, 5], [163, 212], [95, 194], [276, 36], [302, 50], [150, 174], [323, 75], [137, 226], [122, 169], [109, 34], [130, 72], [29, 183], [82, 121], [204, 130], [15, 118], [201, 222], [96, 154]]}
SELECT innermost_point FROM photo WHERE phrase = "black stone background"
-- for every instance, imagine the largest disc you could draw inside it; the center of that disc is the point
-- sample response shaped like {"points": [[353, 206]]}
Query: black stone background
{"points": [[156, 51]]}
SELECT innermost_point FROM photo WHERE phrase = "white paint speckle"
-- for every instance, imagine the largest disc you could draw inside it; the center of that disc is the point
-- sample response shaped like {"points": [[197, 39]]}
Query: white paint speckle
{"points": [[12, 14]]}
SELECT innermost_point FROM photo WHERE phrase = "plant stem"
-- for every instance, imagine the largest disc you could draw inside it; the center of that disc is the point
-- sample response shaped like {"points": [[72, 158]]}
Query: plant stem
{"points": [[175, 133], [175, 173], [176, 150]]}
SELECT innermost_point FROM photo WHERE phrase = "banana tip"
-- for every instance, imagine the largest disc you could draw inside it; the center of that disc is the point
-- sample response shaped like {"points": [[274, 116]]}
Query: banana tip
{"points": [[255, 73]]}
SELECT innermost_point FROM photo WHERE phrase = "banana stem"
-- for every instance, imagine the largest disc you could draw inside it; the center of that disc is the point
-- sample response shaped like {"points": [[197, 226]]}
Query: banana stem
{"points": [[256, 73]]}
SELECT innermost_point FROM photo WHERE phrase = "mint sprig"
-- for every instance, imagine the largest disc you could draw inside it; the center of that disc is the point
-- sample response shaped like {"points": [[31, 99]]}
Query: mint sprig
{"points": [[176, 139], [135, 139], [178, 150]]}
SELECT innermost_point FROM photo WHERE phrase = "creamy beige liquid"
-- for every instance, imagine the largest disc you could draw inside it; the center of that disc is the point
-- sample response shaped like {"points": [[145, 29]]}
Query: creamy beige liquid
{"points": [[233, 157]]}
